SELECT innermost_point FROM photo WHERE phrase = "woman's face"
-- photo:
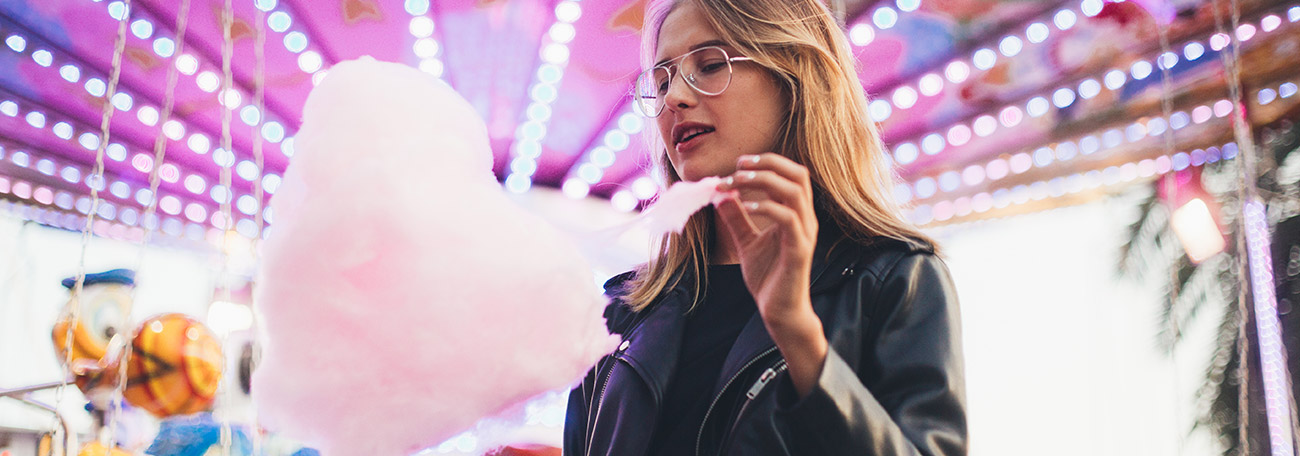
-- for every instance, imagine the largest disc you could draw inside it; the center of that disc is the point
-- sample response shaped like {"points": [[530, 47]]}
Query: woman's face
{"points": [[743, 120]]}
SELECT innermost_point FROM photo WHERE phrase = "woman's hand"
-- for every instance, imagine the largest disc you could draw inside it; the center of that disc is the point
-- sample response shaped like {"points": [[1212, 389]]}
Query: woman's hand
{"points": [[776, 259]]}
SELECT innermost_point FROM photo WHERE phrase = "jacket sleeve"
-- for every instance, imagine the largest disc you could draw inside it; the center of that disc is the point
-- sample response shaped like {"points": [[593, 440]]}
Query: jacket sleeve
{"points": [[907, 396]]}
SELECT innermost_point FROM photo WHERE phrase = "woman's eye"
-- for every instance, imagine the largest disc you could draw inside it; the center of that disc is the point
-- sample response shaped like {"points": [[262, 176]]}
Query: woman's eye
{"points": [[713, 66]]}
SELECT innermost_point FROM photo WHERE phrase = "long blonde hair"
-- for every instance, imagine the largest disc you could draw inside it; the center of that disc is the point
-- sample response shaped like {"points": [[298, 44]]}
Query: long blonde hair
{"points": [[826, 130]]}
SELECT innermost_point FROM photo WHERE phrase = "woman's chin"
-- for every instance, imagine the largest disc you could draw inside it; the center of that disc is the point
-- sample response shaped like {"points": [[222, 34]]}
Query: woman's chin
{"points": [[695, 175]]}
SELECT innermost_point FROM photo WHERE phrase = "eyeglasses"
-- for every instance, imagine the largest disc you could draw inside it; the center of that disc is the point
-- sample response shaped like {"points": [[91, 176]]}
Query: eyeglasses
{"points": [[707, 70]]}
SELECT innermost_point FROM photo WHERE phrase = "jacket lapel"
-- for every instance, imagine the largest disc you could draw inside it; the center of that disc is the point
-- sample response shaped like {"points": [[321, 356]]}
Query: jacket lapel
{"points": [[653, 348]]}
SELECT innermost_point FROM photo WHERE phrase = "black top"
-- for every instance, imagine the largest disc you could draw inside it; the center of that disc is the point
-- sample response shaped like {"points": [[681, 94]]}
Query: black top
{"points": [[711, 330]]}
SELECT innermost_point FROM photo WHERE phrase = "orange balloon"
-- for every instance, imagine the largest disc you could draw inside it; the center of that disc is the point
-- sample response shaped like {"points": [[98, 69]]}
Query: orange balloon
{"points": [[175, 366]]}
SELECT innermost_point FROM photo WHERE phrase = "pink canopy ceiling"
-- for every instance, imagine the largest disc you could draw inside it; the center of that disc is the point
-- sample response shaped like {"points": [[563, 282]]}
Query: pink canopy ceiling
{"points": [[977, 99]]}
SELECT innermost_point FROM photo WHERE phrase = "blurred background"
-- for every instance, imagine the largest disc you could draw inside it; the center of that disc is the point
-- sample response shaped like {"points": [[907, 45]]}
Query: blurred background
{"points": [[1077, 160]]}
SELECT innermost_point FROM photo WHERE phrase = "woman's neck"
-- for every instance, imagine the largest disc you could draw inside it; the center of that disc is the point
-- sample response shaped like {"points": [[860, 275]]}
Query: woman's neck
{"points": [[722, 250]]}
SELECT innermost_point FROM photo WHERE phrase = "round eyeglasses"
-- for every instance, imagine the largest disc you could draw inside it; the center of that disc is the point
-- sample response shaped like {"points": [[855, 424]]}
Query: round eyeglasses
{"points": [[707, 70]]}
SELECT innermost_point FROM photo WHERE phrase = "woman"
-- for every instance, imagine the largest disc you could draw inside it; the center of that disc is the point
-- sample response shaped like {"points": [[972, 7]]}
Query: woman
{"points": [[802, 315]]}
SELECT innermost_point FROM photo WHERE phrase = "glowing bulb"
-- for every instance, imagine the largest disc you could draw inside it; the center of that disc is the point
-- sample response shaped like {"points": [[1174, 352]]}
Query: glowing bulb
{"points": [[1115, 79], [956, 71], [279, 21], [174, 130], [562, 32], [1141, 69], [164, 47], [70, 73], [208, 81], [1197, 231], [905, 153], [984, 58], [425, 48], [885, 17], [880, 110], [421, 27], [1037, 32], [959, 135], [1037, 106], [231, 98], [1064, 19], [623, 201], [295, 42], [16, 43], [930, 84], [187, 64], [1089, 88], [933, 143], [43, 57], [575, 188], [1010, 46], [96, 87], [1063, 97], [904, 97], [555, 53], [985, 125], [310, 61], [644, 188], [142, 29], [862, 34], [568, 11]]}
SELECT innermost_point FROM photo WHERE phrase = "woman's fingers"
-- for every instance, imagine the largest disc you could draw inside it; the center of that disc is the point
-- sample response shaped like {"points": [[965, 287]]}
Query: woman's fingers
{"points": [[784, 218], [778, 164], [736, 222], [777, 179], [775, 186]]}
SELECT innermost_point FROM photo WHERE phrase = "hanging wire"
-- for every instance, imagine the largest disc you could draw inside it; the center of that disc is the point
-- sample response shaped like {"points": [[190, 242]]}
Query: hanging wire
{"points": [[1243, 268], [1248, 195], [228, 221], [151, 209], [259, 95], [73, 310]]}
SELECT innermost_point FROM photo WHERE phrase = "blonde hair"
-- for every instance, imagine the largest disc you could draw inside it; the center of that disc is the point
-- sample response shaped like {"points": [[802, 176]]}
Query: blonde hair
{"points": [[825, 130]]}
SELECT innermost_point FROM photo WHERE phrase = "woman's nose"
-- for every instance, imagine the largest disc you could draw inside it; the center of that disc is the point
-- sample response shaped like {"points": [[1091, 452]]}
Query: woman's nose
{"points": [[679, 95]]}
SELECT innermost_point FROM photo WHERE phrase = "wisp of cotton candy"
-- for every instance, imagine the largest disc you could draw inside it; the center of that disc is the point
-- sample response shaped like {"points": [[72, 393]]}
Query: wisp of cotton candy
{"points": [[403, 295]]}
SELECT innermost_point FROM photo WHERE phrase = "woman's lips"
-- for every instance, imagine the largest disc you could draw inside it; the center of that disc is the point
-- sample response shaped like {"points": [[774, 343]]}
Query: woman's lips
{"points": [[692, 142]]}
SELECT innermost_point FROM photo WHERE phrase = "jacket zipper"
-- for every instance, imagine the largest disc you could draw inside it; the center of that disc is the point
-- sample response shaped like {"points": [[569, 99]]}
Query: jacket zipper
{"points": [[599, 401], [763, 380], [768, 375], [700, 436]]}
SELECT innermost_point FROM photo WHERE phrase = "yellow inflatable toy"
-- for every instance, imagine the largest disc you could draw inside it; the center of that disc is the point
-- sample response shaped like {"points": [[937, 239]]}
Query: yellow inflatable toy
{"points": [[175, 363], [101, 315]]}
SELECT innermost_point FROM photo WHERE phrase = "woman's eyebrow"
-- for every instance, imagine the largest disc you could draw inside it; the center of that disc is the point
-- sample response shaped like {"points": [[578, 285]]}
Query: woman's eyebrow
{"points": [[696, 46]]}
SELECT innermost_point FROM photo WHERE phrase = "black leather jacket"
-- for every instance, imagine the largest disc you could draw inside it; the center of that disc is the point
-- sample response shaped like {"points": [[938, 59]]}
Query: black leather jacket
{"points": [[892, 383]]}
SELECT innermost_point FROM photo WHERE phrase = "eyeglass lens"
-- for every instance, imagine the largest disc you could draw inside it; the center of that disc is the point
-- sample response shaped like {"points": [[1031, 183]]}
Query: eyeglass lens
{"points": [[707, 70]]}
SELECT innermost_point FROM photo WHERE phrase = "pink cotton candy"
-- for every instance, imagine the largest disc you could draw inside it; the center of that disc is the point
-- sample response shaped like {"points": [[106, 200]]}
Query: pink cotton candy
{"points": [[677, 204], [669, 212], [403, 296]]}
